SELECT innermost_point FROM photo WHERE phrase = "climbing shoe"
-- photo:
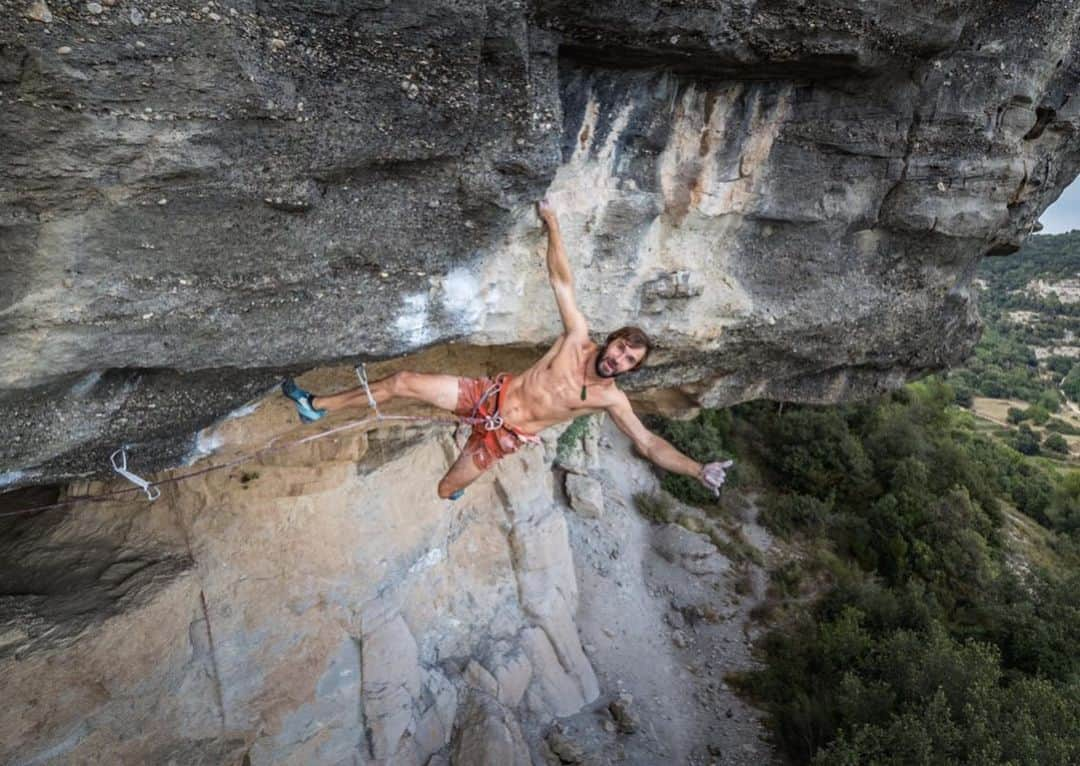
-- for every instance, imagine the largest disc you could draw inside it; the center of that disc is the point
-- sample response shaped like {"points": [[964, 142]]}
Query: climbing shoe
{"points": [[302, 400], [456, 495]]}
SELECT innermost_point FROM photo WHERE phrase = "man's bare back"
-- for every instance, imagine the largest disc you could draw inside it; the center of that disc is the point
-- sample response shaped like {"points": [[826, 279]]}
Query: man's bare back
{"points": [[575, 377]]}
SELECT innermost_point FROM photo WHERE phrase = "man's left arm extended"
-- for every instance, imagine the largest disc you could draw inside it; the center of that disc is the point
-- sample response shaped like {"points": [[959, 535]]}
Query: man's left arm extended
{"points": [[659, 451]]}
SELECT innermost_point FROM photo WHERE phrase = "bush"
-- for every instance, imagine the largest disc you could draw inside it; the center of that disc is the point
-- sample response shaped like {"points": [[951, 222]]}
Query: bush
{"points": [[787, 514], [705, 438], [1059, 365], [1070, 386], [1016, 415], [1060, 426], [570, 438], [1038, 414], [915, 698], [1056, 443], [1062, 510], [925, 648], [812, 450], [1025, 441], [656, 508], [1049, 401]]}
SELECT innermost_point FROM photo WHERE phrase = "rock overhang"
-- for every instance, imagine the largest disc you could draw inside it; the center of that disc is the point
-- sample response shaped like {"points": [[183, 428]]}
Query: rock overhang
{"points": [[793, 204]]}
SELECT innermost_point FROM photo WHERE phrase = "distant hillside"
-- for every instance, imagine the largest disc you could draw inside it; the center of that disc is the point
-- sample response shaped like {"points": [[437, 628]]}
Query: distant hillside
{"points": [[1050, 257], [1030, 348]]}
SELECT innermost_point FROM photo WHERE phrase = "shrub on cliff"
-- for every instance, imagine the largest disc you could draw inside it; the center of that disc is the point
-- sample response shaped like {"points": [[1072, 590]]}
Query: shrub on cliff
{"points": [[705, 438]]}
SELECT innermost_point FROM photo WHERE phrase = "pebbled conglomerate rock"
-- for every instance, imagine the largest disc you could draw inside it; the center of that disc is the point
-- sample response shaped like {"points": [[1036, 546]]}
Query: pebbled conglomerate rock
{"points": [[195, 198]]}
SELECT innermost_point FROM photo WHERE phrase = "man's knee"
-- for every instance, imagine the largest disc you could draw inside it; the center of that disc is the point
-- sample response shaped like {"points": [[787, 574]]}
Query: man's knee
{"points": [[403, 383], [460, 476], [448, 487]]}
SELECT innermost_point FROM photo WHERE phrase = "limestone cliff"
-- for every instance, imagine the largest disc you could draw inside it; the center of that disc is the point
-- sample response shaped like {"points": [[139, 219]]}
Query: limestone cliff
{"points": [[196, 196]]}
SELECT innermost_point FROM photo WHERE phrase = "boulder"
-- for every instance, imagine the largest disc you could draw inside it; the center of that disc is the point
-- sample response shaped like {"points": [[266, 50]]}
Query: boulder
{"points": [[692, 551], [488, 734], [586, 495]]}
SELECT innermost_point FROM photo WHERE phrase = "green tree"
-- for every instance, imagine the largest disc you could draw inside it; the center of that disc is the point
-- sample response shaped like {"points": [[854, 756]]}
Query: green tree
{"points": [[1050, 401], [1038, 414], [1056, 443], [1025, 441], [1070, 386]]}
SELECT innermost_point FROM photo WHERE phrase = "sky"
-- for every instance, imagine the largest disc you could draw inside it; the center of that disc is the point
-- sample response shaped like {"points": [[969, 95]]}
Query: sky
{"points": [[1063, 215]]}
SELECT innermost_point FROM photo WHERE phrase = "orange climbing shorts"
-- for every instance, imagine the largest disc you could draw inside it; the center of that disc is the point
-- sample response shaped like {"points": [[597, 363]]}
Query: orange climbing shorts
{"points": [[477, 401]]}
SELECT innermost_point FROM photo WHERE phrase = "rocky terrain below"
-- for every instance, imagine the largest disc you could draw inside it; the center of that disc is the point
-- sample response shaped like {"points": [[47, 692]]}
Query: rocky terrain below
{"points": [[322, 605]]}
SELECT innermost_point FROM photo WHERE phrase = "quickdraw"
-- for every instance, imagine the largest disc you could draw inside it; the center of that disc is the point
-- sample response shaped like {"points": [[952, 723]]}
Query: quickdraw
{"points": [[120, 466]]}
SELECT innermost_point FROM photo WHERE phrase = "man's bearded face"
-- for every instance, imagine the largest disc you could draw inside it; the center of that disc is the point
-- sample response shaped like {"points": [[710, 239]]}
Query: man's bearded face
{"points": [[616, 358]]}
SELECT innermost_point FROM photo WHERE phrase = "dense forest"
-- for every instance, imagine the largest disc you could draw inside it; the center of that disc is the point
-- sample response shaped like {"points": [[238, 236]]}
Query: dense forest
{"points": [[927, 607]]}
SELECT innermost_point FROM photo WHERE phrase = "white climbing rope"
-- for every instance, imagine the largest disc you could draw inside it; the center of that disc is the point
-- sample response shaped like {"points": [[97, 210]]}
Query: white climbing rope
{"points": [[152, 492]]}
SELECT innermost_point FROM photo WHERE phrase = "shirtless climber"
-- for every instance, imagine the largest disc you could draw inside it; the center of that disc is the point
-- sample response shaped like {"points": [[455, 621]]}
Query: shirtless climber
{"points": [[575, 377]]}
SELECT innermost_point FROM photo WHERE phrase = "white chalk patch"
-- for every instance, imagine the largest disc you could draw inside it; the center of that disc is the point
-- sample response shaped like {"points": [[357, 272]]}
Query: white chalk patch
{"points": [[412, 322], [207, 442], [607, 153], [86, 382], [7, 478], [427, 561], [493, 300], [243, 412], [460, 297]]}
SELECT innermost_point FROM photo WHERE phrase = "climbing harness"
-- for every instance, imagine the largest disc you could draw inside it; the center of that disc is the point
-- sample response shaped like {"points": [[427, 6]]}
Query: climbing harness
{"points": [[494, 421]]}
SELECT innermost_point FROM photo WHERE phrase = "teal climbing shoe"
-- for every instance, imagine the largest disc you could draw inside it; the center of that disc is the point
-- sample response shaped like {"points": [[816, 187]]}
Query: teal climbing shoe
{"points": [[456, 495], [302, 400]]}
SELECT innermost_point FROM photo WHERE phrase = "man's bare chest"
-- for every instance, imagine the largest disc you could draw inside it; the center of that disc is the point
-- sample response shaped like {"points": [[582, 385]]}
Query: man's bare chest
{"points": [[557, 394]]}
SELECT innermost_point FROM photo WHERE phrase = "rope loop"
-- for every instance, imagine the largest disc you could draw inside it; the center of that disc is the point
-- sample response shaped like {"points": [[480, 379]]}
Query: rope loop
{"points": [[361, 373]]}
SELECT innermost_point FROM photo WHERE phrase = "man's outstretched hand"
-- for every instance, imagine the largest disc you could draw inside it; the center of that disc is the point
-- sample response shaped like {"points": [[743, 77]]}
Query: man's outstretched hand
{"points": [[713, 475], [546, 211]]}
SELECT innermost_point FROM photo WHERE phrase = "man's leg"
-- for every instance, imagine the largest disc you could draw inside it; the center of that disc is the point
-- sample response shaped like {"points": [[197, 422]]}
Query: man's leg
{"points": [[438, 390], [462, 473]]}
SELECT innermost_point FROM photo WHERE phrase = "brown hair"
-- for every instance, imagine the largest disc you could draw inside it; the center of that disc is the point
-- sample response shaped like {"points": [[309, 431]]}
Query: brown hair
{"points": [[634, 337]]}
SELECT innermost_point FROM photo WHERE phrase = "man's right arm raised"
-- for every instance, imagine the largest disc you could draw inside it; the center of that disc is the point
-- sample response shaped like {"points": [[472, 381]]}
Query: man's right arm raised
{"points": [[562, 279]]}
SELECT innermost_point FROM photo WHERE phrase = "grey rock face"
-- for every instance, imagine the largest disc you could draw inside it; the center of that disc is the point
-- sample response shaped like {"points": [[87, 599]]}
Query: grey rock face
{"points": [[793, 203]]}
